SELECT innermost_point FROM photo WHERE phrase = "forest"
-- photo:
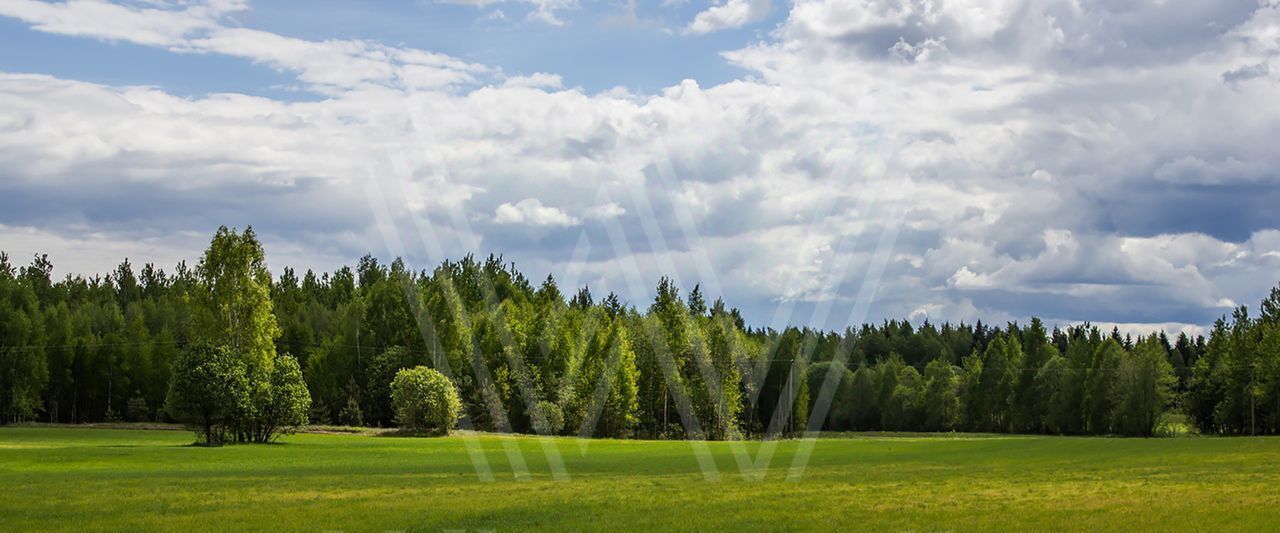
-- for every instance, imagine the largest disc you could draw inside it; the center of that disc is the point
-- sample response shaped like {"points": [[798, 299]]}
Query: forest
{"points": [[531, 357]]}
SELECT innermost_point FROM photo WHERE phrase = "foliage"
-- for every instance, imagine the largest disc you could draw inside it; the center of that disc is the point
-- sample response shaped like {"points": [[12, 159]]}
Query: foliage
{"points": [[233, 297], [288, 400], [1234, 389], [209, 391], [553, 418], [425, 400], [84, 349]]}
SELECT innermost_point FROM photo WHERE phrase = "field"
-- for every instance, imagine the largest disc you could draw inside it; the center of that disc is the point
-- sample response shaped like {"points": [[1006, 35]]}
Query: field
{"points": [[102, 479]]}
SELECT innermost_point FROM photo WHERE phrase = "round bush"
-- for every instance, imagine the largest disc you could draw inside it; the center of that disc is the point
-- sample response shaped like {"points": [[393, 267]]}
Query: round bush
{"points": [[424, 400]]}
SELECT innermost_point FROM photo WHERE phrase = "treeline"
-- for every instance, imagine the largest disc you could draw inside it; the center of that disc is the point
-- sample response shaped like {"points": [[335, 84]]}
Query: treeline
{"points": [[530, 358]]}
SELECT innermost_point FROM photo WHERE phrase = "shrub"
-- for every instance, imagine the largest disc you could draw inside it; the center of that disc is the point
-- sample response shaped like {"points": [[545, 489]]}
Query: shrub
{"points": [[424, 400]]}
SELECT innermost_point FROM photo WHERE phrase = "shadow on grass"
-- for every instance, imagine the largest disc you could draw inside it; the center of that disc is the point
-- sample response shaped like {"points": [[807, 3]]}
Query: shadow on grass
{"points": [[413, 433]]}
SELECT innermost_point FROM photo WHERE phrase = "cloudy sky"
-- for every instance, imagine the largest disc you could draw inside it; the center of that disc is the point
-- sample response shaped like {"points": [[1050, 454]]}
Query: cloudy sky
{"points": [[1113, 161]]}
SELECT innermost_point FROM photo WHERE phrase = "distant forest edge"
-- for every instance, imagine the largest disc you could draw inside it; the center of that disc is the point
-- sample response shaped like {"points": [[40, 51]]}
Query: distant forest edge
{"points": [[525, 358]]}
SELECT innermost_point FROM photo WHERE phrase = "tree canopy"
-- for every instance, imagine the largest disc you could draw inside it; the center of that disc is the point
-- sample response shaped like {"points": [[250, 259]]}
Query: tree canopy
{"points": [[545, 359]]}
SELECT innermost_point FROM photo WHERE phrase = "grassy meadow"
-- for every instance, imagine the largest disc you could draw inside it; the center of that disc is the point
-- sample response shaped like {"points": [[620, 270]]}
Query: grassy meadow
{"points": [[55, 478]]}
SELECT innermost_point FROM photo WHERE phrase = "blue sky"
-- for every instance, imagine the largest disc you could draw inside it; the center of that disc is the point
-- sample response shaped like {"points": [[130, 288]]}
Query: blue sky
{"points": [[598, 46], [819, 162]]}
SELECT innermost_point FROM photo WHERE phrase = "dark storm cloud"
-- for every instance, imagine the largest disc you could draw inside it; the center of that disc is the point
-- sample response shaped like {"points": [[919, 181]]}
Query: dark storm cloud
{"points": [[1230, 213]]}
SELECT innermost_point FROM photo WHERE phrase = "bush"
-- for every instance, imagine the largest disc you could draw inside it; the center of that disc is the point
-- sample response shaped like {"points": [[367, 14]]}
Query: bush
{"points": [[424, 400]]}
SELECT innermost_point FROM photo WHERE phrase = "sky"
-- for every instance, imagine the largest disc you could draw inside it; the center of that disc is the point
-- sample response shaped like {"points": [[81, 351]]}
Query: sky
{"points": [[815, 162]]}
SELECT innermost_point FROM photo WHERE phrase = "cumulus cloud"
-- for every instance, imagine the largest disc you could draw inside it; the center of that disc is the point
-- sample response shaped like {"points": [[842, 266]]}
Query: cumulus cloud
{"points": [[152, 26], [731, 14], [530, 211], [606, 211], [1071, 160], [201, 27], [540, 80]]}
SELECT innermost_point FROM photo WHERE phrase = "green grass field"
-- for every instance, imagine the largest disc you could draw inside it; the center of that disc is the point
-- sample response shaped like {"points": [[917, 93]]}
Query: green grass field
{"points": [[101, 479]]}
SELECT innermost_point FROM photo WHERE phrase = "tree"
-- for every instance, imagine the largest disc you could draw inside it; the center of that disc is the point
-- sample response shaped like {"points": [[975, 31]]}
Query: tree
{"points": [[234, 297], [524, 359], [1054, 398], [1099, 393], [839, 413], [1070, 416], [606, 387], [995, 384], [208, 391], [941, 396], [23, 365], [425, 400], [288, 401], [1027, 403], [382, 370], [1142, 388], [552, 416], [904, 410], [235, 310], [864, 414], [725, 346]]}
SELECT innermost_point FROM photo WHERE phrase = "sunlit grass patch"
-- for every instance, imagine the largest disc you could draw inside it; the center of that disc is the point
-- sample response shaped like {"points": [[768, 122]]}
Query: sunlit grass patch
{"points": [[107, 479]]}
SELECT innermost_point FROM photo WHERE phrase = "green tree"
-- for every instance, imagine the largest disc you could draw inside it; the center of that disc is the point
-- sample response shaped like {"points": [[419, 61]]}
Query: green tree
{"points": [[606, 392], [23, 365], [1204, 391], [941, 396], [904, 410], [994, 388], [1099, 399], [1142, 388], [864, 414], [209, 390], [1053, 394], [382, 370], [288, 401], [1028, 414], [842, 401], [234, 298]]}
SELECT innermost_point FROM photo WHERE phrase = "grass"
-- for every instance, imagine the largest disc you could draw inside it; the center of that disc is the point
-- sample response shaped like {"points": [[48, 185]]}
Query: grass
{"points": [[58, 478]]}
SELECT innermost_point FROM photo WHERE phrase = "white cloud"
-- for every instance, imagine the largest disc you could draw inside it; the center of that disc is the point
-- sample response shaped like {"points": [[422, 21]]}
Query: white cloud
{"points": [[606, 211], [531, 212], [1036, 165], [199, 27], [538, 80], [731, 14], [114, 22]]}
